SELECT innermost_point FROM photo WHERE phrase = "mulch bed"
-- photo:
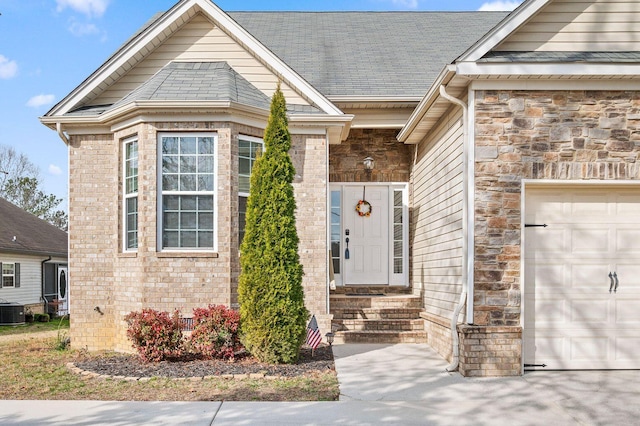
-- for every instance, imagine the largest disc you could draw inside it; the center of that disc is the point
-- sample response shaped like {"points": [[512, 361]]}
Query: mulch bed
{"points": [[131, 366]]}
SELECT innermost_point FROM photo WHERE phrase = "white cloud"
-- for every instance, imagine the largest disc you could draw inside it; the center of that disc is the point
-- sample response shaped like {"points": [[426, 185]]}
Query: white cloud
{"points": [[41, 100], [80, 30], [8, 69], [88, 7], [409, 4], [55, 170], [499, 5]]}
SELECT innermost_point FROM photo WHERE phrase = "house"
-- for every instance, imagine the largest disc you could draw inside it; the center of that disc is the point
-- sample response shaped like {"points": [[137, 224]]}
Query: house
{"points": [[503, 194], [33, 261]]}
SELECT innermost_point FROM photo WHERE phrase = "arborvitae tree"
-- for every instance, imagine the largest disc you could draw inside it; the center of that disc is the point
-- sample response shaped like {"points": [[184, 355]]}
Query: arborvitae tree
{"points": [[272, 312]]}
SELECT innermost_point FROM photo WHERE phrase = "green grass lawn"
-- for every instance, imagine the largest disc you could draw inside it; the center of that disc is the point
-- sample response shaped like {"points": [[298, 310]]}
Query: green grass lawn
{"points": [[35, 327]]}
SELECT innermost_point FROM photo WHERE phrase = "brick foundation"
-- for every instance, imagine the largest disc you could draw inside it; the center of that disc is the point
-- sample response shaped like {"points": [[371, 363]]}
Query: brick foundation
{"points": [[490, 351], [438, 334]]}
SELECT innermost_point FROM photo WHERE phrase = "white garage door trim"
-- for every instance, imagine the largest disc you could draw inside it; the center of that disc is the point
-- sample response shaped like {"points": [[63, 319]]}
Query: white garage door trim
{"points": [[569, 318]]}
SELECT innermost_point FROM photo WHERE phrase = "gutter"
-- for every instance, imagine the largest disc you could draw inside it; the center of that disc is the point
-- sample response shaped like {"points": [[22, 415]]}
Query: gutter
{"points": [[465, 244]]}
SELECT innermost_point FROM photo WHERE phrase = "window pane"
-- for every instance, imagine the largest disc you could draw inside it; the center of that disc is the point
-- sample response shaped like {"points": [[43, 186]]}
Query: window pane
{"points": [[7, 268], [397, 198], [188, 221], [7, 281], [170, 182], [169, 164], [244, 148], [205, 164], [397, 266], [335, 249], [132, 185], [188, 202], [188, 164], [169, 145], [397, 215], [205, 239], [245, 166], [171, 202], [243, 184], [188, 183], [171, 239], [205, 183], [188, 239], [205, 146], [188, 145], [132, 240], [205, 203], [205, 221], [397, 249], [397, 232], [171, 220], [256, 150], [336, 266]]}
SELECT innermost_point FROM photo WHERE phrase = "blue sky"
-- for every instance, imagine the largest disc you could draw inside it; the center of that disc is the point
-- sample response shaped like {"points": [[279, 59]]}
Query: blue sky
{"points": [[48, 47]]}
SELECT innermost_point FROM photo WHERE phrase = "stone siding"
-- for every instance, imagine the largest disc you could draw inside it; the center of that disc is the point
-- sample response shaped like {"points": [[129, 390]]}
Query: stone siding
{"points": [[554, 135], [392, 158], [118, 282]]}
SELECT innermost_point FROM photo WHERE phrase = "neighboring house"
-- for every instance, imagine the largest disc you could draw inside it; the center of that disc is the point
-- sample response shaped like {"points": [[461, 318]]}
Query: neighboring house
{"points": [[482, 127], [33, 261]]}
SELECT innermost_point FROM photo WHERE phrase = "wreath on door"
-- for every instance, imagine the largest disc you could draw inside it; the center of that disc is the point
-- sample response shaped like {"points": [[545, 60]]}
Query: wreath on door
{"points": [[363, 207]]}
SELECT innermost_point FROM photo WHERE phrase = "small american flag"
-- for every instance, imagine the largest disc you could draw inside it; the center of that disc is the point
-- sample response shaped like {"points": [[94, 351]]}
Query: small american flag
{"points": [[313, 333]]}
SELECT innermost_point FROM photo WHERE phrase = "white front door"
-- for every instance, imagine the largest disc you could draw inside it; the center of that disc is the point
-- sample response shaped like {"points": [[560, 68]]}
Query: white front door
{"points": [[574, 316], [367, 261], [63, 291]]}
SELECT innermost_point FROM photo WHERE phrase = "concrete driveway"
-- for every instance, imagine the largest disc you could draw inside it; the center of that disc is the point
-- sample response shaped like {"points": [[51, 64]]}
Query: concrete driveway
{"points": [[415, 375]]}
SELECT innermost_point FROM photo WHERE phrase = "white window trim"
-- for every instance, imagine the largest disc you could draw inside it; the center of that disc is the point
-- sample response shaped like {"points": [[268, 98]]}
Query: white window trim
{"points": [[160, 193], [125, 196], [2, 274]]}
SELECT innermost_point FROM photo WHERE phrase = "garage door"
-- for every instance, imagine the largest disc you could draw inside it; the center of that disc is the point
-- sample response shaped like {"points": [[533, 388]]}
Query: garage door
{"points": [[582, 278]]}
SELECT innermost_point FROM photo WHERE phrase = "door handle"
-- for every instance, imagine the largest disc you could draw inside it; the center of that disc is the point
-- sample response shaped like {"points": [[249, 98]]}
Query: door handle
{"points": [[610, 285], [615, 288]]}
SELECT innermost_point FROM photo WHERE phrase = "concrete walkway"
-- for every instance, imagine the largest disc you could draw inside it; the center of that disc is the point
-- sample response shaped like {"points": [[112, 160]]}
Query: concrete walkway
{"points": [[382, 384]]}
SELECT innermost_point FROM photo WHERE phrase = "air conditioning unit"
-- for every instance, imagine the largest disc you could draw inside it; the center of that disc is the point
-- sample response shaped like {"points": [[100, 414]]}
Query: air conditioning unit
{"points": [[11, 313]]}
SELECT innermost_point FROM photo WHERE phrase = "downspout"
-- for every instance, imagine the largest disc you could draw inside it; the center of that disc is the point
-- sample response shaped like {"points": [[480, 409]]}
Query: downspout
{"points": [[465, 214], [64, 137], [42, 283]]}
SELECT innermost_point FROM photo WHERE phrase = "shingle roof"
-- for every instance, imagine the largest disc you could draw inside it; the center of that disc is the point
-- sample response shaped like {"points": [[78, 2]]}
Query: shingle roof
{"points": [[196, 81], [542, 57], [368, 53], [33, 235]]}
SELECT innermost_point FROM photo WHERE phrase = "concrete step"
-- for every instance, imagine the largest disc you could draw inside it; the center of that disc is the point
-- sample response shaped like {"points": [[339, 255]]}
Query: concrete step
{"points": [[378, 325], [390, 337], [376, 314], [344, 301], [372, 289]]}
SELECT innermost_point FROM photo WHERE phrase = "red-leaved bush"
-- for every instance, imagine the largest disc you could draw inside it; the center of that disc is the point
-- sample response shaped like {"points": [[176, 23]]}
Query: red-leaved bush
{"points": [[156, 335], [215, 332]]}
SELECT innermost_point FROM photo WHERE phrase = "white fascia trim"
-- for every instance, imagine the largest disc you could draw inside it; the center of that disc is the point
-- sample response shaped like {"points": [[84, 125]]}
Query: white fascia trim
{"points": [[504, 29], [332, 122], [613, 85], [272, 60], [546, 69], [434, 92]]}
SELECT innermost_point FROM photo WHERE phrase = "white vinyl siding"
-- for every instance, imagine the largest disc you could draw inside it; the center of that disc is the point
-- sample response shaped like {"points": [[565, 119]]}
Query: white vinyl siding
{"points": [[199, 41], [437, 217], [30, 279], [131, 194], [601, 25], [187, 182]]}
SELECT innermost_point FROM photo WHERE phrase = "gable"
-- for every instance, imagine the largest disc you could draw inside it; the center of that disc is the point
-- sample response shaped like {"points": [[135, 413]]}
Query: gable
{"points": [[199, 40], [578, 25]]}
